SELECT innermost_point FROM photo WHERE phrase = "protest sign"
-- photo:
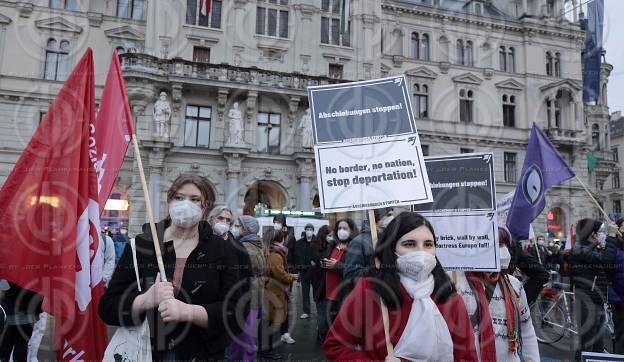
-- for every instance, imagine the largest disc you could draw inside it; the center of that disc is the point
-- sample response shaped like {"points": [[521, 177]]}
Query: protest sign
{"points": [[367, 148], [463, 212], [601, 357]]}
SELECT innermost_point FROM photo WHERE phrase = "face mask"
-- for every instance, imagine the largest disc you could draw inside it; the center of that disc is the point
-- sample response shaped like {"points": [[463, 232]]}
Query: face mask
{"points": [[343, 234], [309, 234], [236, 232], [416, 265], [505, 257], [124, 231], [220, 228], [601, 236], [277, 226], [551, 244], [184, 213], [540, 242]]}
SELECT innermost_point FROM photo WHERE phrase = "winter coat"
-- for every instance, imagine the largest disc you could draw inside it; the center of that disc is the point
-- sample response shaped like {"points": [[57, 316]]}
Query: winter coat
{"points": [[357, 333], [616, 285], [588, 266], [317, 274], [359, 256], [536, 274], [257, 257], [276, 288], [340, 265], [210, 279], [302, 259]]}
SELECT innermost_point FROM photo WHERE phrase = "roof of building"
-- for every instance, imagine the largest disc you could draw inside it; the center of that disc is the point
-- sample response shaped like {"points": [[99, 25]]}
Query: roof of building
{"points": [[462, 6]]}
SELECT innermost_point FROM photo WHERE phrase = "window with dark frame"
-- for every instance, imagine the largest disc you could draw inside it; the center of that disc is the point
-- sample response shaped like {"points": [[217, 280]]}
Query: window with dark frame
{"points": [[64, 4], [335, 71], [425, 150], [596, 136], [509, 110], [272, 18], [616, 156], [330, 25], [268, 132], [130, 9], [421, 101], [510, 167], [56, 60], [211, 20], [615, 180], [617, 207], [197, 127], [466, 150], [201, 54], [466, 103]]}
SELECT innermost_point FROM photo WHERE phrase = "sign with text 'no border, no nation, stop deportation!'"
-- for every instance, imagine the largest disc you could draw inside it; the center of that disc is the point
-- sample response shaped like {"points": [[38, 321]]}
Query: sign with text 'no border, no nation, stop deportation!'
{"points": [[366, 146]]}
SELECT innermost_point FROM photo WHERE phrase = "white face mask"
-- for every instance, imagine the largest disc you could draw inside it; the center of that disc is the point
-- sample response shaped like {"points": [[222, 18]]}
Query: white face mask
{"points": [[277, 226], [343, 234], [601, 236], [220, 228], [236, 232], [416, 265], [309, 234], [505, 257], [540, 242], [184, 213]]}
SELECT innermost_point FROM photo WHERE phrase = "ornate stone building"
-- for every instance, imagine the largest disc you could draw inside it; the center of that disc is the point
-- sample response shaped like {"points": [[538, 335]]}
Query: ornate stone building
{"points": [[481, 73]]}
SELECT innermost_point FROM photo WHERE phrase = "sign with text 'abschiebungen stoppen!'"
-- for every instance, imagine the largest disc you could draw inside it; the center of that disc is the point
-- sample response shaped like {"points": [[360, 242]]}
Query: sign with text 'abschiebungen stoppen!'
{"points": [[366, 146]]}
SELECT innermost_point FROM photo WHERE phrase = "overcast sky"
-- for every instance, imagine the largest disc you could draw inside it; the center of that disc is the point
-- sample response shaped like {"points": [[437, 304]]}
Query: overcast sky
{"points": [[614, 44]]}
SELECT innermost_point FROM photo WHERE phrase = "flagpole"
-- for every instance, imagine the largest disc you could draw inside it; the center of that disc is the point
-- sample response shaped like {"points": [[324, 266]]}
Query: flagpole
{"points": [[593, 199], [384, 308], [148, 206]]}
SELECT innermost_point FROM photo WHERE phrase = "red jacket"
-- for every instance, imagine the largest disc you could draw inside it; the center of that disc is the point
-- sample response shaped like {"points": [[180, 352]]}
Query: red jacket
{"points": [[359, 323]]}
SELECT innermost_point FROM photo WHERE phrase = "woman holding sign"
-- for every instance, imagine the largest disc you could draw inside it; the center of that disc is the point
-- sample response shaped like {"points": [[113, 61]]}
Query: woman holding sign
{"points": [[499, 311], [427, 318]]}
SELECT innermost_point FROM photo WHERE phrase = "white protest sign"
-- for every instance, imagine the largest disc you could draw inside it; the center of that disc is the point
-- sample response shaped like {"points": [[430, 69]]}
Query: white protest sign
{"points": [[367, 148], [463, 213]]}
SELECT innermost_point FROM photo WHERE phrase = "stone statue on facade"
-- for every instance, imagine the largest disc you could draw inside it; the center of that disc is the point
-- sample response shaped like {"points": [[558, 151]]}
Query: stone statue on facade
{"points": [[235, 122], [162, 115], [305, 127]]}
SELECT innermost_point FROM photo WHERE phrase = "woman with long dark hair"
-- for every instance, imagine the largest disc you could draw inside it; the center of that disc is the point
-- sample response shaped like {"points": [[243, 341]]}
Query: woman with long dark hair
{"points": [[324, 237], [427, 318]]}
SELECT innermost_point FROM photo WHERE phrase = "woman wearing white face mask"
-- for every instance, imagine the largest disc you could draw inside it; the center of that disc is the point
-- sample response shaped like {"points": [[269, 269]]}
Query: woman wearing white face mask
{"points": [[186, 312], [427, 318], [499, 311], [588, 265]]}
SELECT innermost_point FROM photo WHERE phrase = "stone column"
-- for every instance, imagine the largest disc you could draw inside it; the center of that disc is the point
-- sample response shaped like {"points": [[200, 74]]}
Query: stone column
{"points": [[552, 122], [525, 7], [234, 157], [305, 176], [156, 164]]}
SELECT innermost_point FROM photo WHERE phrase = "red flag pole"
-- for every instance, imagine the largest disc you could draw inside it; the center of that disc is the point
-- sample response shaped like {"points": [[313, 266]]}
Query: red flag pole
{"points": [[148, 206]]}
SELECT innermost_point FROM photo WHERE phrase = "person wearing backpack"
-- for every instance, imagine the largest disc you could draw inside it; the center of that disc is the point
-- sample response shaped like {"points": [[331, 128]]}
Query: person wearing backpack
{"points": [[615, 291]]}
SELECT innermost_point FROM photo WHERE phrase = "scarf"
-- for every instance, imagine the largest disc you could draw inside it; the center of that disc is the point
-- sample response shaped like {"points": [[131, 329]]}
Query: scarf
{"points": [[281, 250], [247, 238], [486, 336], [426, 336]]}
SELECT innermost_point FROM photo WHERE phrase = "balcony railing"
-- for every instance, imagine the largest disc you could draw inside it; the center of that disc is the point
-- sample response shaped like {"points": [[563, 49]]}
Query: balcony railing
{"points": [[177, 67]]}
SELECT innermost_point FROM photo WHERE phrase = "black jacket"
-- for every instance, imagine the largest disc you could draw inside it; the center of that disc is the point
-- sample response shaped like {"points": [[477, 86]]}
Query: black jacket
{"points": [[530, 266], [210, 279], [588, 268], [340, 265], [303, 255]]}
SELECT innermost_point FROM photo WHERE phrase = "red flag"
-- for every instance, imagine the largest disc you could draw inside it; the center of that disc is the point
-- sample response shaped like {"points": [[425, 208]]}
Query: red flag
{"points": [[204, 7], [113, 130], [49, 232]]}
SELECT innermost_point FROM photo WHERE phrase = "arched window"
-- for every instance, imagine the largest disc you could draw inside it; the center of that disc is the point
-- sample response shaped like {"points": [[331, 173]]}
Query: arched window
{"points": [[459, 52], [414, 46], [421, 101], [502, 58], [549, 64], [469, 52], [424, 47], [511, 60], [57, 60], [557, 67], [596, 136]]}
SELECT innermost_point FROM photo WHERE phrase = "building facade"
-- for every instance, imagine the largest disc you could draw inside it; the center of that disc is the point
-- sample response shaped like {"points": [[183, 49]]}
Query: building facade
{"points": [[481, 72]]}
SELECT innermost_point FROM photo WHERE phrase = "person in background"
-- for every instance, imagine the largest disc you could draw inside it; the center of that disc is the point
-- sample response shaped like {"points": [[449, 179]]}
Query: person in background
{"points": [[246, 228], [22, 307], [190, 313], [499, 311], [320, 244], [303, 266], [279, 225], [427, 319], [535, 275], [588, 268], [359, 254], [108, 256], [276, 288], [538, 250], [120, 239], [616, 291], [333, 264]]}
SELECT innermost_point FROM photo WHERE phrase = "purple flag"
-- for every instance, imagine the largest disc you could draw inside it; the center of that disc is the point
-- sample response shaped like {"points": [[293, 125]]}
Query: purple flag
{"points": [[543, 167]]}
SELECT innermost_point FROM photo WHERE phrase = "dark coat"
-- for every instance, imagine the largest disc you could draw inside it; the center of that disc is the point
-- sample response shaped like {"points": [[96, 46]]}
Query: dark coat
{"points": [[535, 272], [616, 285], [303, 257], [588, 267], [326, 253], [210, 280]]}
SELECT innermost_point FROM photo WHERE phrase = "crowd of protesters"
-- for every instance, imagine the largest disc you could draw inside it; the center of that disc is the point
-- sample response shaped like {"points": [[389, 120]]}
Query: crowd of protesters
{"points": [[228, 292]]}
